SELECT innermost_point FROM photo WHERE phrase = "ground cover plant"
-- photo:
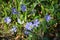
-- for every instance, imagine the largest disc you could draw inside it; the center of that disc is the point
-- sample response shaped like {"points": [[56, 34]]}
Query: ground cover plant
{"points": [[29, 19]]}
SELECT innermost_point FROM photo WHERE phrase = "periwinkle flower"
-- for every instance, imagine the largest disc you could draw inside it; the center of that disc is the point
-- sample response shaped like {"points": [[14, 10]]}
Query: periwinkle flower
{"points": [[14, 29], [36, 23], [29, 26], [26, 32], [47, 17], [14, 11], [7, 20], [23, 7]]}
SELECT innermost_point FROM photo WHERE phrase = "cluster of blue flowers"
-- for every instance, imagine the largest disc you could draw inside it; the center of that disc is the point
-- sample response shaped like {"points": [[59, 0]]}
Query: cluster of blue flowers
{"points": [[14, 11], [7, 20], [30, 25]]}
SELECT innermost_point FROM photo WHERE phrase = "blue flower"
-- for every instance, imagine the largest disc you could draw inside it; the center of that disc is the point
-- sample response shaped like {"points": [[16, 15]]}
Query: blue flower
{"points": [[26, 32], [36, 23], [7, 20], [23, 7], [29, 26], [47, 17], [14, 11], [14, 29]]}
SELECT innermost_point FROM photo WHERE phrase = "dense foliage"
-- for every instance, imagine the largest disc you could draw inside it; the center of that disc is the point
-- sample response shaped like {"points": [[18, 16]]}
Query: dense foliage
{"points": [[30, 19]]}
